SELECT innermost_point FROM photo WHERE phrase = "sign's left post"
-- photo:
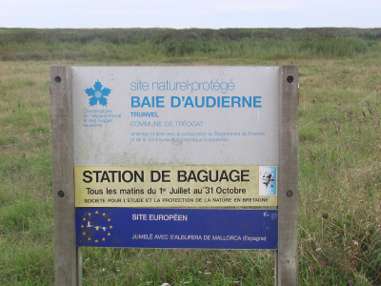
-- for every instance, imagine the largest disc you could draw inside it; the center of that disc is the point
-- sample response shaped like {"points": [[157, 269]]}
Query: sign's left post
{"points": [[67, 257]]}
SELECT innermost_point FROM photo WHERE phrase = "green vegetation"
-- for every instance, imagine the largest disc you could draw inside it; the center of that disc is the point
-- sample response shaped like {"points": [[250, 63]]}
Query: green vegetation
{"points": [[339, 156], [138, 45]]}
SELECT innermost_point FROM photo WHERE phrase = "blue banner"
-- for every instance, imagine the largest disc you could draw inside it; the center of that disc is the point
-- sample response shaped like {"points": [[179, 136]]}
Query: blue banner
{"points": [[177, 228]]}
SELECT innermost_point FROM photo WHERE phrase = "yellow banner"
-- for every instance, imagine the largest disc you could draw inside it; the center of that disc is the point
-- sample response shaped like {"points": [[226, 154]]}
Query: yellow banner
{"points": [[164, 186]]}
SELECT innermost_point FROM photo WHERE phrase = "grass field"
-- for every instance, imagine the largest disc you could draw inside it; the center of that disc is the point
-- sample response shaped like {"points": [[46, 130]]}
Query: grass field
{"points": [[339, 156]]}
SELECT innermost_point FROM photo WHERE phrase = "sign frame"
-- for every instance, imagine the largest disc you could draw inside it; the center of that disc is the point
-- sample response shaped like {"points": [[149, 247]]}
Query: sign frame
{"points": [[67, 256]]}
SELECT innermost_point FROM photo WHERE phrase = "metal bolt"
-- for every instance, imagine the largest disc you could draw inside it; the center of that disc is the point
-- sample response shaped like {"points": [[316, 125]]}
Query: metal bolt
{"points": [[290, 193], [290, 79], [61, 193], [57, 79]]}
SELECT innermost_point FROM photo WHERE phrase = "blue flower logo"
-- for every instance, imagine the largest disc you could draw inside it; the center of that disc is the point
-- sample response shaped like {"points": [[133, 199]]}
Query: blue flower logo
{"points": [[98, 93]]}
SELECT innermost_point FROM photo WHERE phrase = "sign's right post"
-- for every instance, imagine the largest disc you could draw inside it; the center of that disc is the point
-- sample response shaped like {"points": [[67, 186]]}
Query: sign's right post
{"points": [[286, 258]]}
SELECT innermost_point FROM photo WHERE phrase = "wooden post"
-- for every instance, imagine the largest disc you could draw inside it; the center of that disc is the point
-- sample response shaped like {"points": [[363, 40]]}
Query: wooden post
{"points": [[286, 260], [67, 257]]}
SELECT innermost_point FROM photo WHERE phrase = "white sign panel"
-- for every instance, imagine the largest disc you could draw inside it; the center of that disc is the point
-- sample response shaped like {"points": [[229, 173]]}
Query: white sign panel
{"points": [[176, 115]]}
